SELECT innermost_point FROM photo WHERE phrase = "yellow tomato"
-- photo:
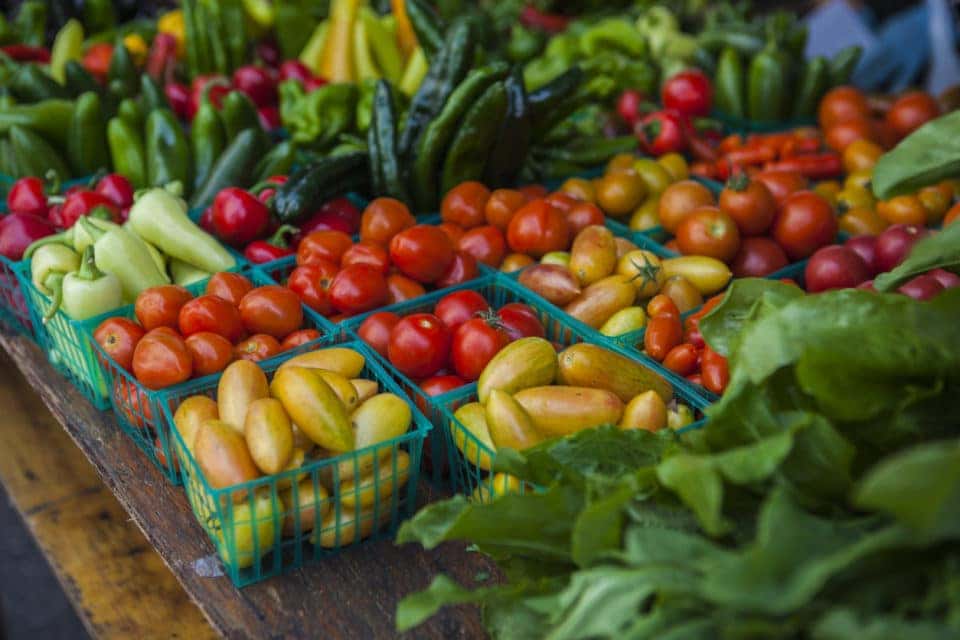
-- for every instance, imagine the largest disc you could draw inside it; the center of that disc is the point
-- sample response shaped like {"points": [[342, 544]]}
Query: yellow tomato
{"points": [[654, 176], [854, 197], [676, 166], [861, 155], [829, 190], [860, 178], [862, 222]]}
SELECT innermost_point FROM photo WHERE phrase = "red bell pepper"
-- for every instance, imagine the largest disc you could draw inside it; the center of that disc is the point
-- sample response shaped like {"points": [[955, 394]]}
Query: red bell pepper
{"points": [[338, 215], [689, 93], [268, 51], [26, 53], [117, 188], [218, 89], [269, 117], [273, 248], [28, 196], [19, 230], [81, 202], [295, 70], [97, 60], [238, 217], [258, 83]]}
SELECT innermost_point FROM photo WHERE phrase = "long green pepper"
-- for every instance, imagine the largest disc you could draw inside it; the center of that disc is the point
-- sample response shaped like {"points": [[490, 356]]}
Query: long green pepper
{"points": [[35, 156], [207, 140], [123, 70], [512, 142], [127, 151], [238, 113], [385, 123], [814, 82], [87, 142], [766, 87], [470, 149], [168, 150], [729, 85]]}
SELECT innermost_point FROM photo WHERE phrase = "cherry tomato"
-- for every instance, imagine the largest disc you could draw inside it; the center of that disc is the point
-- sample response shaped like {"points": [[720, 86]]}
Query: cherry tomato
{"points": [[384, 218], [299, 338], [323, 245], [842, 104], [866, 248], [475, 342], [905, 209], [160, 306], [375, 330], [583, 215], [273, 310], [835, 267], [682, 359], [501, 206], [628, 105], [910, 111], [750, 204], [118, 337], [806, 223], [709, 232], [422, 252], [465, 205], [419, 345], [357, 289], [663, 333], [463, 269], [311, 283], [520, 321], [714, 370], [257, 348], [439, 385], [689, 92], [781, 183], [681, 199], [210, 313], [161, 359], [947, 279], [401, 288], [367, 253], [923, 287], [862, 221], [662, 305], [758, 257], [486, 244], [211, 353], [228, 286], [456, 308], [537, 229]]}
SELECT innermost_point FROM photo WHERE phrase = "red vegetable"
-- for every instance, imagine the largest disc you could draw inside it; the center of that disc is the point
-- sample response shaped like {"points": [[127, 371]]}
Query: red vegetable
{"points": [[894, 244], [238, 217], [536, 19], [26, 53], [820, 166], [219, 89], [27, 196], [273, 248], [922, 287], [628, 106], [835, 267], [97, 59], [294, 70], [337, 215], [81, 202], [661, 132], [419, 345], [258, 83], [19, 230], [688, 92], [162, 58], [117, 188], [178, 95], [269, 117]]}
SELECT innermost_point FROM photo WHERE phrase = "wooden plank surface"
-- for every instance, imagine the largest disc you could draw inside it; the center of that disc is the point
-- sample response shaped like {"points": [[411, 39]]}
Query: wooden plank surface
{"points": [[352, 595]]}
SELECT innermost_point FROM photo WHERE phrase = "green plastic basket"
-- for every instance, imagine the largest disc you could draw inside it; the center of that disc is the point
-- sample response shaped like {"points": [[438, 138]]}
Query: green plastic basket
{"points": [[14, 312], [498, 291], [139, 410], [276, 538], [469, 461], [745, 126]]}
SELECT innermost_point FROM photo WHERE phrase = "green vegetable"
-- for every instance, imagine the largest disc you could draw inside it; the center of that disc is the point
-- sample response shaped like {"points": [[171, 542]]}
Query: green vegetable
{"points": [[130, 111], [167, 150], [151, 94], [613, 33], [843, 64], [814, 82], [126, 256], [127, 153], [426, 25], [927, 156], [469, 152], [196, 56], [76, 237], [766, 87], [123, 70], [30, 84], [89, 292], [277, 161], [314, 183], [87, 142], [51, 260], [207, 140], [547, 98], [238, 113], [35, 156], [317, 119], [67, 46], [939, 251], [729, 84], [293, 24], [50, 118], [234, 167], [160, 218], [98, 15], [31, 23], [386, 176], [78, 80], [186, 274], [512, 142]]}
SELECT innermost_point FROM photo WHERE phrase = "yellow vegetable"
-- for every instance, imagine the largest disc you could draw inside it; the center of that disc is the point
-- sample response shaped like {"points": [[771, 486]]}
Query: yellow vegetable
{"points": [[527, 362], [646, 411], [269, 435], [235, 538], [473, 420], [137, 47], [708, 275], [562, 410], [414, 72], [346, 362], [240, 384], [312, 54], [625, 321], [511, 427], [338, 64], [172, 23], [389, 476], [314, 407]]}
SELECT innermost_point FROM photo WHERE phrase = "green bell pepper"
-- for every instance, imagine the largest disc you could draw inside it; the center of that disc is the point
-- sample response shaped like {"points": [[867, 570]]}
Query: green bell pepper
{"points": [[318, 118]]}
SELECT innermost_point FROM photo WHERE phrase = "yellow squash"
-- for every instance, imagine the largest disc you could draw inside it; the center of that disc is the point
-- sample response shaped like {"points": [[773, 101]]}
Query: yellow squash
{"points": [[240, 384]]}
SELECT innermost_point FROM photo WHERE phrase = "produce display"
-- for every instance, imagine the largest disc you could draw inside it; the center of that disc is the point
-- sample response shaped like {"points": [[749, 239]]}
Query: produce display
{"points": [[673, 307]]}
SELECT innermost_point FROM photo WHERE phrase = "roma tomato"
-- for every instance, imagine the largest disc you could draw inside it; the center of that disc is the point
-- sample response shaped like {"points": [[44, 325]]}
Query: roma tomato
{"points": [[160, 306], [714, 371], [257, 348], [501, 206], [910, 111], [758, 257], [161, 359], [419, 345], [211, 353], [422, 252], [439, 385], [782, 183], [463, 269], [475, 342], [905, 209], [375, 330], [806, 223], [520, 321], [271, 310], [229, 286], [367, 253], [311, 283], [119, 337], [456, 308], [357, 289], [210, 313], [298, 338], [465, 205], [709, 232], [537, 229], [682, 359], [663, 333], [582, 215], [662, 305], [401, 288], [750, 204], [681, 199], [835, 267], [486, 244], [323, 245], [384, 218]]}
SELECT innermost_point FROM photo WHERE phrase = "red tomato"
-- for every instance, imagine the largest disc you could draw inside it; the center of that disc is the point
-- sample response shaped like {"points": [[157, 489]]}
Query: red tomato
{"points": [[520, 321], [709, 232], [162, 359], [537, 229], [758, 257], [835, 267], [367, 253], [465, 205], [842, 104], [132, 403], [895, 243], [682, 359], [456, 308], [501, 206], [119, 337], [713, 369], [563, 202], [439, 385], [229, 286], [806, 223], [401, 288], [750, 204], [922, 287], [210, 313], [947, 279], [662, 305], [419, 345], [453, 231], [533, 191], [842, 135], [211, 353], [910, 111], [325, 245], [582, 215], [384, 218], [299, 338], [689, 92], [257, 348], [273, 310], [357, 289], [375, 330], [663, 333], [311, 283], [486, 244], [475, 342], [866, 248], [463, 269], [781, 183], [423, 253]]}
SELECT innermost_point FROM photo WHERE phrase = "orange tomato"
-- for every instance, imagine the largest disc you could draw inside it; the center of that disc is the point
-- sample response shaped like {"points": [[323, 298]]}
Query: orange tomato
{"points": [[384, 218], [515, 262], [842, 104], [709, 232], [162, 359], [903, 210], [861, 155], [953, 215], [501, 206], [936, 200], [680, 200], [465, 204], [842, 135]]}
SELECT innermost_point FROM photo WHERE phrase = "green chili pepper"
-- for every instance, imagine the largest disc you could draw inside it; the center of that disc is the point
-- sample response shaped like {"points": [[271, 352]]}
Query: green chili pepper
{"points": [[98, 15], [470, 149], [613, 33], [75, 237], [814, 82], [729, 85], [314, 183], [67, 45], [131, 112], [151, 94], [234, 32], [87, 141], [513, 140], [843, 64], [50, 118], [123, 69], [126, 256], [293, 25], [211, 19], [234, 167], [766, 87], [30, 84], [207, 139], [78, 80], [167, 150], [35, 156], [278, 161], [383, 152], [238, 113], [88, 292], [127, 151], [31, 23], [544, 100], [427, 26], [193, 53]]}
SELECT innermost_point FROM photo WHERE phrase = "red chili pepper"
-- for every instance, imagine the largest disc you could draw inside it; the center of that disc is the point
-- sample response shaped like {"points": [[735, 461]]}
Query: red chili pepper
{"points": [[26, 53], [337, 215], [219, 89], [731, 142], [295, 70], [273, 248], [798, 147], [269, 117], [820, 166], [258, 83], [178, 95], [661, 132], [97, 60], [238, 217], [81, 202], [532, 17], [19, 230], [628, 106], [117, 188], [750, 156], [28, 195], [713, 368], [162, 58], [55, 215], [701, 149], [704, 170]]}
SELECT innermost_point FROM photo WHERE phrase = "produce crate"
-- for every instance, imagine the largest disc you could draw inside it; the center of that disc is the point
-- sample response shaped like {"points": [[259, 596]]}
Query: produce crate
{"points": [[498, 290], [14, 312], [139, 410], [253, 553], [471, 480], [744, 126]]}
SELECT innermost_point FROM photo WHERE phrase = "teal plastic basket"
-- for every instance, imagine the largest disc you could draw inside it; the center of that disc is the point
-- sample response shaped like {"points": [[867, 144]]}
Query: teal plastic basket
{"points": [[139, 410], [266, 527], [498, 291], [14, 311], [745, 126]]}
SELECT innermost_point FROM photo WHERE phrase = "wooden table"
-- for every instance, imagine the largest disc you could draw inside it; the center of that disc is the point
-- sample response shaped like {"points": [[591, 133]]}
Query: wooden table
{"points": [[352, 595]]}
